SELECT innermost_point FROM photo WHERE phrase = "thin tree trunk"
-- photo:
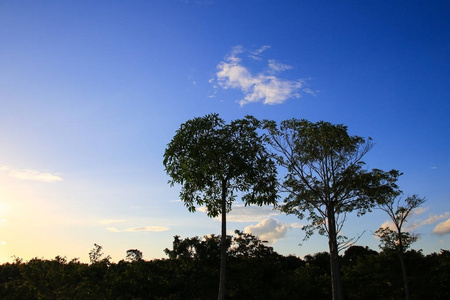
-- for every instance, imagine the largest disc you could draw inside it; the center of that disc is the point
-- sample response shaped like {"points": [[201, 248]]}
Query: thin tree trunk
{"points": [[334, 257], [223, 246], [405, 274]]}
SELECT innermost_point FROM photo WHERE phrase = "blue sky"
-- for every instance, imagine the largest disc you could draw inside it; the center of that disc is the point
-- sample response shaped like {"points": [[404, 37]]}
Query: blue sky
{"points": [[91, 92]]}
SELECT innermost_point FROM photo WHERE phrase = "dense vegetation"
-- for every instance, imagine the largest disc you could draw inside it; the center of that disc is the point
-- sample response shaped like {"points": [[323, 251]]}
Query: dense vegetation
{"points": [[255, 271]]}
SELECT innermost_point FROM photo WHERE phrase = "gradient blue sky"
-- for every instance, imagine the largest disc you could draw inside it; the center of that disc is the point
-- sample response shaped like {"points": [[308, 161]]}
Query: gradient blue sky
{"points": [[92, 91]]}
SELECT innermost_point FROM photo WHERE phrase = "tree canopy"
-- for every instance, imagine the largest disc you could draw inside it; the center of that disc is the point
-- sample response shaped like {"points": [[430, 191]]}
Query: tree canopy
{"points": [[211, 159]]}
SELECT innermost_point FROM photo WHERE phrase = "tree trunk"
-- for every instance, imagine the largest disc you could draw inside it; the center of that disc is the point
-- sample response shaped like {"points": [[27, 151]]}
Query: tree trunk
{"points": [[401, 256], [223, 245], [334, 257]]}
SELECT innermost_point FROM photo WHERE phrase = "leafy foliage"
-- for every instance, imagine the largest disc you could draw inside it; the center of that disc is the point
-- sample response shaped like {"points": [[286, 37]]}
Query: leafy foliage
{"points": [[134, 255], [366, 274], [325, 169], [398, 210], [208, 157]]}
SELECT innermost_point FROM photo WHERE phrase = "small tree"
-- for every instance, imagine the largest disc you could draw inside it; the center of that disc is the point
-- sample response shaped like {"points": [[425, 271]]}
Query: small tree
{"points": [[398, 240], [325, 178], [96, 254], [213, 161], [134, 255]]}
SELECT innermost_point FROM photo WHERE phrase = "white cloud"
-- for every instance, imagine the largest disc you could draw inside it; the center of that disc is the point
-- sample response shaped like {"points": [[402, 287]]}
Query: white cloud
{"points": [[442, 228], [242, 213], [268, 230], [263, 87], [29, 174], [140, 229]]}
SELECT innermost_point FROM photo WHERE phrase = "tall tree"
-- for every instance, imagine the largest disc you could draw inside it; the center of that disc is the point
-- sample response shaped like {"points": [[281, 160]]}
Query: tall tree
{"points": [[325, 179], [214, 161], [398, 240]]}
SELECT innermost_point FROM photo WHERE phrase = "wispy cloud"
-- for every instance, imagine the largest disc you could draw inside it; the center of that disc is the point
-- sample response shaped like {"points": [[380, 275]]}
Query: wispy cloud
{"points": [[268, 230], [111, 221], [418, 223], [276, 67], [430, 220], [29, 174], [434, 218], [442, 228], [256, 54], [139, 229], [147, 228], [242, 213], [420, 210], [264, 87]]}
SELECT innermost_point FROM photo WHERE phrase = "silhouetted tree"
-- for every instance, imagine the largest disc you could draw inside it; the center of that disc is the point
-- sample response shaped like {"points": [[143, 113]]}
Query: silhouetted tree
{"points": [[213, 161], [96, 253], [398, 240], [325, 178], [134, 255]]}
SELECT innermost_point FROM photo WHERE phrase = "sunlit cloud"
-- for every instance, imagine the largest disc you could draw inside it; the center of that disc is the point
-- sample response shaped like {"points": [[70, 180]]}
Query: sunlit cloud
{"points": [[442, 228], [29, 174], [296, 225], [147, 228], [430, 220], [140, 229], [420, 210], [389, 224], [263, 87], [242, 213], [268, 230], [418, 223], [434, 218], [111, 221]]}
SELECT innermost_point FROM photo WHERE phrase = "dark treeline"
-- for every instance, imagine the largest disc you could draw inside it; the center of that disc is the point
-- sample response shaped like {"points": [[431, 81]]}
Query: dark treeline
{"points": [[255, 271]]}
